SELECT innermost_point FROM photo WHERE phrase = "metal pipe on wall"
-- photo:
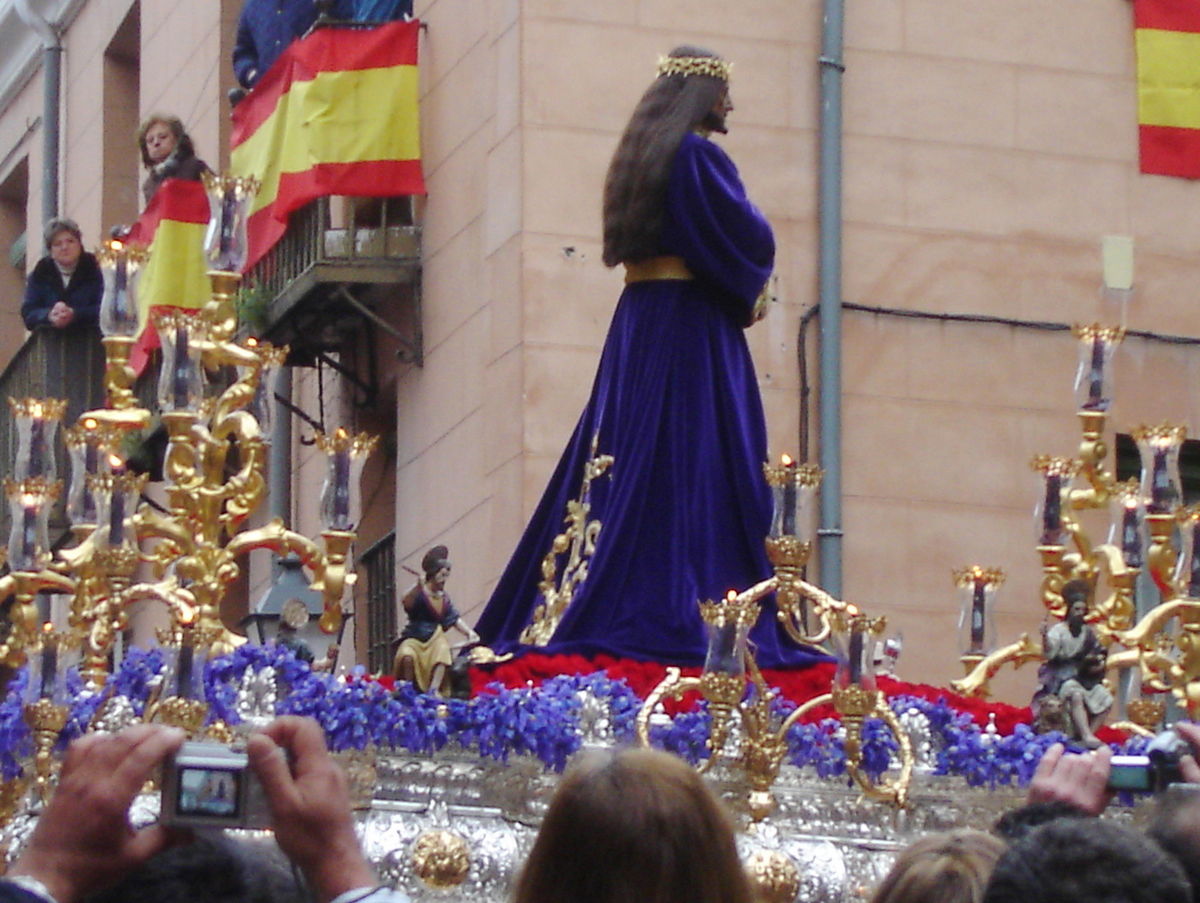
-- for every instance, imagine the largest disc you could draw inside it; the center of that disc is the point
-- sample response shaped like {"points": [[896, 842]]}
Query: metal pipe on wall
{"points": [[829, 276], [51, 90]]}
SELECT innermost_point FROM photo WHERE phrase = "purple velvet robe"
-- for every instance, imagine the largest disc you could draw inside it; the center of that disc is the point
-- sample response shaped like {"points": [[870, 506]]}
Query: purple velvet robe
{"points": [[684, 507]]}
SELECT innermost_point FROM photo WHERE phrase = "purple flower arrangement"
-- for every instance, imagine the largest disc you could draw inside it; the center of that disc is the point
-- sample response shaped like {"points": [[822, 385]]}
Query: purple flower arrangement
{"points": [[544, 722]]}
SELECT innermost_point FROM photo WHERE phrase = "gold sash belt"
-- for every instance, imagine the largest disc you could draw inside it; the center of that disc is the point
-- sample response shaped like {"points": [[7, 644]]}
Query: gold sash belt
{"points": [[657, 268]]}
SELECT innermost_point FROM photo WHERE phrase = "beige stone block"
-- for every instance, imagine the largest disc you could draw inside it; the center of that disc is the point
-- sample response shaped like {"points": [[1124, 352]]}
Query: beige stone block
{"points": [[876, 573], [538, 470], [445, 393], [506, 81], [874, 187], [502, 407], [502, 215], [623, 11], [557, 382], [459, 106], [459, 184], [1078, 115], [723, 23], [779, 191], [454, 465], [985, 191], [803, 75], [562, 165], [871, 427], [1164, 220], [569, 295], [503, 284], [452, 285], [1023, 31], [937, 100], [559, 92], [456, 27], [877, 356], [873, 25]]}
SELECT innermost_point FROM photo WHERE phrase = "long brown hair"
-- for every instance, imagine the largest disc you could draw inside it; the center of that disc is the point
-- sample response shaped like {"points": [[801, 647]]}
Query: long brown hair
{"points": [[635, 189], [952, 867], [634, 825]]}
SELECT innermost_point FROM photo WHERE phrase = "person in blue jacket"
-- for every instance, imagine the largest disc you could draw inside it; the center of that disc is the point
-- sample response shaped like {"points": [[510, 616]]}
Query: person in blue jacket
{"points": [[265, 29], [66, 286]]}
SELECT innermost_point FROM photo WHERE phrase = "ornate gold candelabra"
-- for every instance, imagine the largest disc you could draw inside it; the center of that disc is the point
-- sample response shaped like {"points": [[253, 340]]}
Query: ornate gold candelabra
{"points": [[185, 555], [731, 681]]}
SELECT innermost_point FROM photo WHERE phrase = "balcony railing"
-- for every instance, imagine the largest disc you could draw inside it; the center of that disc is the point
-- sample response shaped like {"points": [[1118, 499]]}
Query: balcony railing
{"points": [[53, 363], [333, 241]]}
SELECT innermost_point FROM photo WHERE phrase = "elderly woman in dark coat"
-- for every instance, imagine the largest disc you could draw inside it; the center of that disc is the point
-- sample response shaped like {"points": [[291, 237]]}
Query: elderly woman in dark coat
{"points": [[66, 286], [167, 153]]}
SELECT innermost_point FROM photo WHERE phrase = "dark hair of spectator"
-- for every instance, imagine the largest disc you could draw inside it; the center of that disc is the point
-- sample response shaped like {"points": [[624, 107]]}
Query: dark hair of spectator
{"points": [[61, 224], [639, 824], [1016, 823], [953, 867], [635, 189], [183, 141], [1087, 860]]}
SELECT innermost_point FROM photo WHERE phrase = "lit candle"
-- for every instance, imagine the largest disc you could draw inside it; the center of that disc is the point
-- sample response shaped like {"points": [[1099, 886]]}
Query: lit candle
{"points": [[978, 601], [37, 441], [1096, 382], [789, 497], [1162, 494], [183, 676], [49, 661], [341, 489], [1194, 576], [1131, 539], [1052, 510], [179, 386], [856, 654]]}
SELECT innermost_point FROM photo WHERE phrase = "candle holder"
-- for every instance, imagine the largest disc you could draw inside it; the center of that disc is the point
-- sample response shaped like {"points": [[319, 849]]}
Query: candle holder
{"points": [[229, 199], [1127, 530], [1093, 379], [1159, 447], [181, 380], [977, 631], [1056, 475], [37, 427], [340, 497], [789, 543], [29, 502], [89, 444], [262, 405], [46, 720]]}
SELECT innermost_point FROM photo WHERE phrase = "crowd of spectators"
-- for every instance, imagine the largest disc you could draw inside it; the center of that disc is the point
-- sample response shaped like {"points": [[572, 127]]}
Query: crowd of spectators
{"points": [[624, 825]]}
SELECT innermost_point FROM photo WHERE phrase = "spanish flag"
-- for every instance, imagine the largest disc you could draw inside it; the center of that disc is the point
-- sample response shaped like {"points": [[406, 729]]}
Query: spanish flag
{"points": [[172, 227], [1168, 78], [335, 115]]}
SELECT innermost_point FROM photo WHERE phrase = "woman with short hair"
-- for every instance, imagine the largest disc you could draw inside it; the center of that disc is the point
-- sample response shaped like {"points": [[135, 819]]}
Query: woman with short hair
{"points": [[66, 285]]}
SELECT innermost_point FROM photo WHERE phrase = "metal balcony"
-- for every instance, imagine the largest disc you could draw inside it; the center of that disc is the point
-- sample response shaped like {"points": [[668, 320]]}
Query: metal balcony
{"points": [[344, 266]]}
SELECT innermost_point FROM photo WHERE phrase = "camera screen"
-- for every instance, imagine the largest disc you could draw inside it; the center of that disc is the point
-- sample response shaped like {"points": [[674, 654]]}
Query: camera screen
{"points": [[207, 792]]}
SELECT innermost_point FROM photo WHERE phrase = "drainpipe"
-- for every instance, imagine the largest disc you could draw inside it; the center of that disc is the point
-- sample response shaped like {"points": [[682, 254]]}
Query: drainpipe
{"points": [[51, 78], [829, 277]]}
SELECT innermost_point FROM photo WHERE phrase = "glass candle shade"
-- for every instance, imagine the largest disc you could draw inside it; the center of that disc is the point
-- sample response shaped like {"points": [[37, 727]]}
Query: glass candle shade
{"points": [[262, 406], [793, 487], [727, 624], [1055, 475], [49, 662], [87, 448], [117, 494], [1093, 379], [120, 265], [977, 587], [853, 641], [1187, 567], [347, 455], [37, 429], [1159, 448], [181, 379], [1127, 527], [29, 503], [229, 199]]}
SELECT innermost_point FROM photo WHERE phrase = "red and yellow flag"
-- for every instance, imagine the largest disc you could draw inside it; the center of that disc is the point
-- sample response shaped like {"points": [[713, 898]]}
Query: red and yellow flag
{"points": [[172, 227], [1168, 76], [335, 115]]}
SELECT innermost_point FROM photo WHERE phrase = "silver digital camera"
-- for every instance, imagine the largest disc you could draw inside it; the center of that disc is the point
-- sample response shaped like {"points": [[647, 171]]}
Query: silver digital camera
{"points": [[211, 785]]}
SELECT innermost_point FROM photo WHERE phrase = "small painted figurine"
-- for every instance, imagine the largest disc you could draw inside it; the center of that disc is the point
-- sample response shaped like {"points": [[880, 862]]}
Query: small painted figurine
{"points": [[425, 651], [1073, 672]]}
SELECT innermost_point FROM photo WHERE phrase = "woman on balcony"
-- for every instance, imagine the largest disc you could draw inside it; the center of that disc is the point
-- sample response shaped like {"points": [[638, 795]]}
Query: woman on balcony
{"points": [[167, 153], [65, 287]]}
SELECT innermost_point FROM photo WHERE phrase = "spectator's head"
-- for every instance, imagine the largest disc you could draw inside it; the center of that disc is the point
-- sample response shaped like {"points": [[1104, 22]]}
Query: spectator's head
{"points": [[637, 824], [212, 869], [953, 867], [1086, 860], [64, 241], [1016, 823], [1175, 825], [160, 136]]}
